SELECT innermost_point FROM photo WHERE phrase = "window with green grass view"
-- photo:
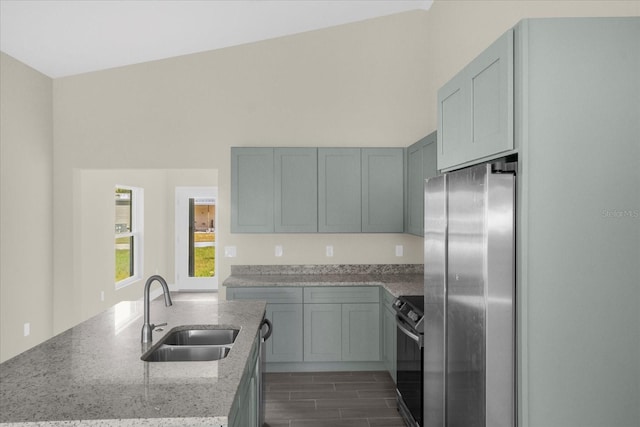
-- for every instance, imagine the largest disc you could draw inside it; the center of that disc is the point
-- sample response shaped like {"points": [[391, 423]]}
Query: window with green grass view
{"points": [[202, 237], [127, 234]]}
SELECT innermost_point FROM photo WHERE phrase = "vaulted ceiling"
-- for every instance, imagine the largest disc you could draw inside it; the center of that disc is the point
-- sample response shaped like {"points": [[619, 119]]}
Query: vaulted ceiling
{"points": [[62, 38]]}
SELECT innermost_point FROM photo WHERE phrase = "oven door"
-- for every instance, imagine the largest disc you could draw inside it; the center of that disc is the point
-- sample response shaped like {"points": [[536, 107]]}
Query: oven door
{"points": [[409, 373]]}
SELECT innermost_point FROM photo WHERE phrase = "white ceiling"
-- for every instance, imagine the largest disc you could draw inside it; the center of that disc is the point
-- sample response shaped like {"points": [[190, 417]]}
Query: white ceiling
{"points": [[62, 38]]}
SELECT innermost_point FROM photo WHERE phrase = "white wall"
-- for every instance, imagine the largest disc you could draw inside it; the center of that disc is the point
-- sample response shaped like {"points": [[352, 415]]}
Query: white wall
{"points": [[357, 85], [95, 255], [26, 197]]}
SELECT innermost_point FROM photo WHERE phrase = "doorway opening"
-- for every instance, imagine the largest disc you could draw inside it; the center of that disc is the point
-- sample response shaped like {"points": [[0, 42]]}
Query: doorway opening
{"points": [[195, 246]]}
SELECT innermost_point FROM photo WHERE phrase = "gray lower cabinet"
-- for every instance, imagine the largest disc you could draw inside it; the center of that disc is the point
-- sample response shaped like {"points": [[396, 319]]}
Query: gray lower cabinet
{"points": [[322, 332], [285, 344], [361, 332], [421, 164], [245, 407], [341, 332], [475, 108], [284, 310], [319, 324], [342, 324], [389, 334]]}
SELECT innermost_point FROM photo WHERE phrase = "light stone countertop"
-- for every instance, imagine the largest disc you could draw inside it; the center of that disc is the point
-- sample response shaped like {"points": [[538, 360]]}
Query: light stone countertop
{"points": [[397, 279], [92, 375]]}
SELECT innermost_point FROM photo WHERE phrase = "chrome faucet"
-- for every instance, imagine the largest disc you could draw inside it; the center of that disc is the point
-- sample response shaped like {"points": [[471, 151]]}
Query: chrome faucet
{"points": [[147, 327]]}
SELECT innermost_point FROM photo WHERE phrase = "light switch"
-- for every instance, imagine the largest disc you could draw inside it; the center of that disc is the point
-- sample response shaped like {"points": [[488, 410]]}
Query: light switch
{"points": [[229, 251]]}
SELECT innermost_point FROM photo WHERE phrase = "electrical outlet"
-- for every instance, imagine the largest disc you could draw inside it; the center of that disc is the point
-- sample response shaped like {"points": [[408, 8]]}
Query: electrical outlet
{"points": [[329, 251], [229, 251], [102, 296], [27, 329], [278, 250], [399, 250]]}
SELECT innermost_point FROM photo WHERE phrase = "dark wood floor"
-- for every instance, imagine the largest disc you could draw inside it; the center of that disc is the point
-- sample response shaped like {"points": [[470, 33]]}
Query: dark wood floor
{"points": [[331, 399]]}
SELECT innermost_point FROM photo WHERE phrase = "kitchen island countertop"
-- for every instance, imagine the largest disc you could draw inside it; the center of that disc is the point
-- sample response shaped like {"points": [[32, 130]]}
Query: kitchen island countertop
{"points": [[92, 374]]}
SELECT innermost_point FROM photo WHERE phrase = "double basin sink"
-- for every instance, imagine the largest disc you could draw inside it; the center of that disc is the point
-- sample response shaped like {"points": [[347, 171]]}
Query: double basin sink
{"points": [[193, 344]]}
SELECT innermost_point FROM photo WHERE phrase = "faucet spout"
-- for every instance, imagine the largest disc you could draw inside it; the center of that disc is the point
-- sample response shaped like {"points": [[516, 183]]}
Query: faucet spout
{"points": [[147, 327]]}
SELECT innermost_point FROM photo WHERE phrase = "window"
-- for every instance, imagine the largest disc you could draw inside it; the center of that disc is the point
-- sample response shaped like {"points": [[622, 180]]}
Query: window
{"points": [[196, 238], [128, 235]]}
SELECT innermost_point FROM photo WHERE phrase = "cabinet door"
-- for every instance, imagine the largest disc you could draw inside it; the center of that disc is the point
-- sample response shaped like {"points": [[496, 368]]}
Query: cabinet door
{"points": [[234, 414], [253, 403], [360, 332], [285, 343], [339, 190], [296, 190], [453, 126], [389, 341], [322, 332], [415, 210], [252, 190], [382, 190], [490, 88], [475, 108], [421, 164]]}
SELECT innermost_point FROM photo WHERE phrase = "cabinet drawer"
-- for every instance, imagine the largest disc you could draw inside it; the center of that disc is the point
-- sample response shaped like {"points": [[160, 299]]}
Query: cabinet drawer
{"points": [[272, 295], [336, 294]]}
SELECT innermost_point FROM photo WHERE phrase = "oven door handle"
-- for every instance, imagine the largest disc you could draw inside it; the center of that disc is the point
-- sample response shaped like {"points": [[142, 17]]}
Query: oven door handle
{"points": [[402, 326]]}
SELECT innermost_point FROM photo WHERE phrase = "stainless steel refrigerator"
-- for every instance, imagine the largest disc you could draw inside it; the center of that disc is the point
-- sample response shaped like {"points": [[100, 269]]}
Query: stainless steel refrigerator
{"points": [[469, 310]]}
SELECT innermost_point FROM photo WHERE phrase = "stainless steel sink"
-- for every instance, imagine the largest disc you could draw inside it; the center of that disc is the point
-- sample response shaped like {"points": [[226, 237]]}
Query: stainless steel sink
{"points": [[186, 353], [201, 337], [193, 344]]}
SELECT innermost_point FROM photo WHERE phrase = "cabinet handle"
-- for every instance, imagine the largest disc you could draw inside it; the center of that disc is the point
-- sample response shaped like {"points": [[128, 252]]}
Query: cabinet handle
{"points": [[268, 334]]}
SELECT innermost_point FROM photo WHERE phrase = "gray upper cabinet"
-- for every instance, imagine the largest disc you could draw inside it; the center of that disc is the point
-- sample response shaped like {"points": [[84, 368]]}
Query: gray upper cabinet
{"points": [[475, 108], [339, 190], [252, 180], [296, 190], [308, 190], [421, 164], [382, 190]]}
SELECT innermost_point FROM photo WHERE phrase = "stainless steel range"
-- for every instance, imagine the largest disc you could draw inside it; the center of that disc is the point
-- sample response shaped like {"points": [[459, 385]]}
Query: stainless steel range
{"points": [[410, 350]]}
